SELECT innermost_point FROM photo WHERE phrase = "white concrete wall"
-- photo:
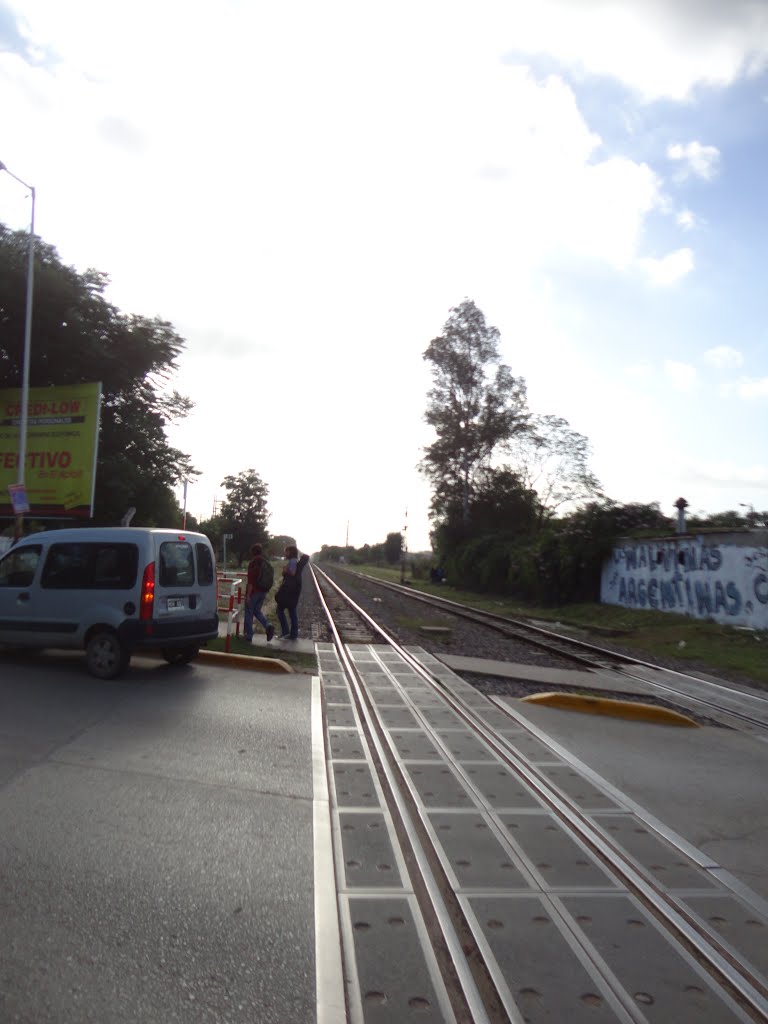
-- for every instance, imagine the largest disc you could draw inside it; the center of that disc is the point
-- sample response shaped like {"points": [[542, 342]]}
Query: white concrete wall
{"points": [[723, 577]]}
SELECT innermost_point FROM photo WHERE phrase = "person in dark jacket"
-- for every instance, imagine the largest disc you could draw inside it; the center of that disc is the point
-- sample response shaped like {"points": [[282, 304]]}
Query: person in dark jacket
{"points": [[255, 595], [287, 596]]}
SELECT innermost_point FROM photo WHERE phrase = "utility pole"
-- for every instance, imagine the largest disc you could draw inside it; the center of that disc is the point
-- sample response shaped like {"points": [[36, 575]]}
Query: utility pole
{"points": [[18, 491], [404, 548]]}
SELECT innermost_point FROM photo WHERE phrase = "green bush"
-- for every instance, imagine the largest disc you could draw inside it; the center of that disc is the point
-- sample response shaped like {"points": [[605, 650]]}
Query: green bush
{"points": [[560, 563]]}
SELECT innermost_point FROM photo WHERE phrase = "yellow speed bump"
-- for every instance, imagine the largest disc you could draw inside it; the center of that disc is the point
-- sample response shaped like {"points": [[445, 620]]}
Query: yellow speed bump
{"points": [[629, 709], [244, 661]]}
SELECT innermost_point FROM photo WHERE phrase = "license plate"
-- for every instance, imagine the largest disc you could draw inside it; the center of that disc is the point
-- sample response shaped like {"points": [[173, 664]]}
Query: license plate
{"points": [[175, 602]]}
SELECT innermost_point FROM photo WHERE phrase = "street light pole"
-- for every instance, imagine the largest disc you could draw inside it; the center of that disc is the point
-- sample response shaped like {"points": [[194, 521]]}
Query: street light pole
{"points": [[20, 474]]}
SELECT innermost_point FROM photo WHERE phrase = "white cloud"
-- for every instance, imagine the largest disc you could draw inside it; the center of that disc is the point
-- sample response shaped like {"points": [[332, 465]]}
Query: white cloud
{"points": [[752, 387], [667, 270], [682, 376], [723, 357], [686, 219], [660, 48], [695, 159]]}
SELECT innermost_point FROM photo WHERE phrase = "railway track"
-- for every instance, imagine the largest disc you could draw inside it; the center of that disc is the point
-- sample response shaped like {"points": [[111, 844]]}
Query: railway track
{"points": [[481, 879], [732, 705]]}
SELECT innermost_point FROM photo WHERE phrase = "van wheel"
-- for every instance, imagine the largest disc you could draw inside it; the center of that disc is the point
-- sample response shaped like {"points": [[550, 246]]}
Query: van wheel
{"points": [[105, 656], [180, 655]]}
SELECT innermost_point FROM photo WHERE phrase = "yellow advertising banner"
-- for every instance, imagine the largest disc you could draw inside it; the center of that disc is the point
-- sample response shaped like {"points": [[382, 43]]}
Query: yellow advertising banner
{"points": [[62, 439]]}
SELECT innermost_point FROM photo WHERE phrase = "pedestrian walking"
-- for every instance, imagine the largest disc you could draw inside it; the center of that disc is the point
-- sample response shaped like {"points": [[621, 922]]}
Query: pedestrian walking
{"points": [[261, 576], [287, 596]]}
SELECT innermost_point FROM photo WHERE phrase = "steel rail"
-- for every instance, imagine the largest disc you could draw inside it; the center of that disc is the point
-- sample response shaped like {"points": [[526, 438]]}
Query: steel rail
{"points": [[440, 912], [731, 975], [519, 629]]}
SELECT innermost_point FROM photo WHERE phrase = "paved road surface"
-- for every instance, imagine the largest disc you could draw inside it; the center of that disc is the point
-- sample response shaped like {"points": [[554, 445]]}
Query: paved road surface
{"points": [[155, 845]]}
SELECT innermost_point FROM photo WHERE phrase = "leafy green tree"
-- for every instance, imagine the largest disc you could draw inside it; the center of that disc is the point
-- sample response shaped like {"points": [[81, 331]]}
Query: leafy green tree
{"points": [[475, 405], [731, 519], [503, 503], [278, 544], [503, 514], [377, 553], [244, 512], [567, 561], [393, 547], [334, 553], [212, 528], [365, 555], [77, 336], [552, 460]]}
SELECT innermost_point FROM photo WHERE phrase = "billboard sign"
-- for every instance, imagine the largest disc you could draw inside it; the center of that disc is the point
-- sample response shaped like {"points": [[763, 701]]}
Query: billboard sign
{"points": [[62, 439]]}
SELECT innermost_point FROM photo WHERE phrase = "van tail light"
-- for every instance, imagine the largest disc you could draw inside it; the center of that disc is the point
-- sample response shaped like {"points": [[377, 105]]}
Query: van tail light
{"points": [[147, 605]]}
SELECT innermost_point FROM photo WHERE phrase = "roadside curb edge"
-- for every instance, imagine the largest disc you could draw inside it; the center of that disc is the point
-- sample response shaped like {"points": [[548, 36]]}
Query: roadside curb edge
{"points": [[631, 710], [255, 664]]}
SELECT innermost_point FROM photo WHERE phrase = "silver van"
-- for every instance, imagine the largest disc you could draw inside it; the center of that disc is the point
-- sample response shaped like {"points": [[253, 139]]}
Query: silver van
{"points": [[110, 591]]}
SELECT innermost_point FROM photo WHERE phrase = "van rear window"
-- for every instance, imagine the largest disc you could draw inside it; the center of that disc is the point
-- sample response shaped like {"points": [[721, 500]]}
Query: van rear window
{"points": [[90, 566], [177, 567], [204, 565]]}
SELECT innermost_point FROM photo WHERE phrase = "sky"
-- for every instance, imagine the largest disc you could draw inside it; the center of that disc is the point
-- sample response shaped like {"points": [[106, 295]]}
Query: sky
{"points": [[305, 191]]}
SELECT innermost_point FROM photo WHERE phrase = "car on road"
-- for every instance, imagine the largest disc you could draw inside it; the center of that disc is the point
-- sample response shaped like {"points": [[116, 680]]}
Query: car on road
{"points": [[110, 591]]}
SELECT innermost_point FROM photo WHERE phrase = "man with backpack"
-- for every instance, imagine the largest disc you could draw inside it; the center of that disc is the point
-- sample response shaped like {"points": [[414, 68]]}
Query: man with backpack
{"points": [[261, 576], [287, 596]]}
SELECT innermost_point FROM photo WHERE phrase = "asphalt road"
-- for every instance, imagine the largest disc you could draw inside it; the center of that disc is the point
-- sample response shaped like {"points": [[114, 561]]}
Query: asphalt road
{"points": [[155, 844]]}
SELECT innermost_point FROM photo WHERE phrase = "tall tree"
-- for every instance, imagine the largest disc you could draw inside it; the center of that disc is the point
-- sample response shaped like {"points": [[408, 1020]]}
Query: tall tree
{"points": [[475, 404], [503, 503], [279, 543], [393, 548], [244, 512], [552, 460], [77, 336]]}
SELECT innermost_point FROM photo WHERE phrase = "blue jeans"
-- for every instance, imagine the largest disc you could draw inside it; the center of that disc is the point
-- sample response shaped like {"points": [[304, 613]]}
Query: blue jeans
{"points": [[253, 611], [294, 630]]}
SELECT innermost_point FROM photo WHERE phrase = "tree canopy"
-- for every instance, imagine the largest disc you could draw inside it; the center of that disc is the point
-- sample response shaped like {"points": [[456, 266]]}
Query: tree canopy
{"points": [[731, 519], [393, 547], [552, 460], [475, 404], [78, 336], [244, 512]]}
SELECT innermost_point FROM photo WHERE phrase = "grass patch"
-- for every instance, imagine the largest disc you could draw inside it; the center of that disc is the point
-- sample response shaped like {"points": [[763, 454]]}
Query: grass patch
{"points": [[664, 635]]}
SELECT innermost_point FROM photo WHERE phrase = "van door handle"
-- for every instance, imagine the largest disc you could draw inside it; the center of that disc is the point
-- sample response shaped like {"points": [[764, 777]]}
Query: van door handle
{"points": [[23, 597]]}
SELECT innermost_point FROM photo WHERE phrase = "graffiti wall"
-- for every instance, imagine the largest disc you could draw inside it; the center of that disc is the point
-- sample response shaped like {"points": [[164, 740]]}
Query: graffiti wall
{"points": [[723, 577]]}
